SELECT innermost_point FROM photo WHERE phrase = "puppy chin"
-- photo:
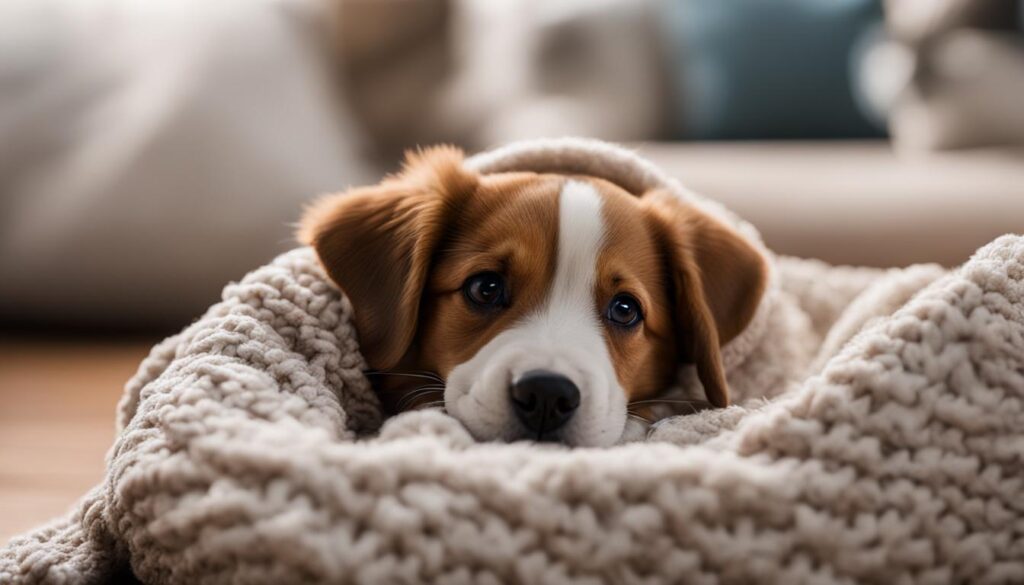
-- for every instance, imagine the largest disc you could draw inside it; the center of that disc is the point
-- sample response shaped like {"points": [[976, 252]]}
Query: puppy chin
{"points": [[477, 393]]}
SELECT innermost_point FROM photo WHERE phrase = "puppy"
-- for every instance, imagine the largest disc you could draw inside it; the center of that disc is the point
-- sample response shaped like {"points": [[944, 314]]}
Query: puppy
{"points": [[535, 306]]}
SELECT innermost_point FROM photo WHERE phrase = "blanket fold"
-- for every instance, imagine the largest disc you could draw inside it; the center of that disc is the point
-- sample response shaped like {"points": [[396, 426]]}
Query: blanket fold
{"points": [[251, 450]]}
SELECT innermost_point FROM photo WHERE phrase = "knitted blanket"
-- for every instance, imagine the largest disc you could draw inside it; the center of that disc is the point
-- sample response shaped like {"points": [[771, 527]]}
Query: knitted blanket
{"points": [[248, 453]]}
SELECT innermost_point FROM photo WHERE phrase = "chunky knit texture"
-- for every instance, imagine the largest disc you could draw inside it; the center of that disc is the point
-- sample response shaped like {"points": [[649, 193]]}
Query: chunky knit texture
{"points": [[878, 437], [242, 458]]}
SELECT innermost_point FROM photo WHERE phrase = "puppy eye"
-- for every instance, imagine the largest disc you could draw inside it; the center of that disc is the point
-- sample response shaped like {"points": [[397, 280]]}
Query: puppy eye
{"points": [[486, 289], [624, 311]]}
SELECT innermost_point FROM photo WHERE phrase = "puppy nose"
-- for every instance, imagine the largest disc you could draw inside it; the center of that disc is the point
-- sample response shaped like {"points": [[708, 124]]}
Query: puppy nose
{"points": [[544, 401]]}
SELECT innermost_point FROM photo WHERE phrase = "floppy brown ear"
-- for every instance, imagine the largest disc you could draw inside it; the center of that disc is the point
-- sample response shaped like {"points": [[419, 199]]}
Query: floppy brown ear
{"points": [[718, 279], [376, 243]]}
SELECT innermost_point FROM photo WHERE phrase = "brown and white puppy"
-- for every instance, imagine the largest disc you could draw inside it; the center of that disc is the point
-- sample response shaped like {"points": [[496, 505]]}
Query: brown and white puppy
{"points": [[546, 303]]}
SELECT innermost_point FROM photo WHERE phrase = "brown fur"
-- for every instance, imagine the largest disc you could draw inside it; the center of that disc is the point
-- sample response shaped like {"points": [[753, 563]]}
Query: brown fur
{"points": [[377, 243], [718, 279], [632, 262], [511, 227], [402, 250]]}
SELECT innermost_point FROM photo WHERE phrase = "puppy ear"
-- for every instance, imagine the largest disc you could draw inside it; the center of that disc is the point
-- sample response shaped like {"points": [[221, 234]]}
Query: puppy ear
{"points": [[718, 279], [376, 243]]}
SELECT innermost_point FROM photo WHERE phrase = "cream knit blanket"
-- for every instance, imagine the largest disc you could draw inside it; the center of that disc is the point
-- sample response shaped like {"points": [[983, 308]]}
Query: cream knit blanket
{"points": [[241, 458]]}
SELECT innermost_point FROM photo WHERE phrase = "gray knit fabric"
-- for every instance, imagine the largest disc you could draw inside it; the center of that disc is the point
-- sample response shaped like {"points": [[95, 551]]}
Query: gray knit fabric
{"points": [[247, 455]]}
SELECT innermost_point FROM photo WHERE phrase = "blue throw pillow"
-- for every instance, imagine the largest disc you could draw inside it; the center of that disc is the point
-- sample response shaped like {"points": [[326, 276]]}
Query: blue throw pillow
{"points": [[767, 68]]}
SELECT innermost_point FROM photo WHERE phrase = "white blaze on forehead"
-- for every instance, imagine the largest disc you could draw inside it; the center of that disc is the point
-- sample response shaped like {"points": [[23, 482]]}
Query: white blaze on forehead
{"points": [[580, 235], [564, 336]]}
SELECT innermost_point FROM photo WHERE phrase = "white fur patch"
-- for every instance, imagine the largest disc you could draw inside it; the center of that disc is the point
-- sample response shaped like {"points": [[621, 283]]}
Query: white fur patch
{"points": [[563, 336]]}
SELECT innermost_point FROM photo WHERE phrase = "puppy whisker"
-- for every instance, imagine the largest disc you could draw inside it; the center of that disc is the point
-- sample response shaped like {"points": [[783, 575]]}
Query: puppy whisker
{"points": [[419, 393], [639, 418], [434, 404], [423, 375], [669, 401], [422, 391], [645, 408], [430, 387], [426, 373]]}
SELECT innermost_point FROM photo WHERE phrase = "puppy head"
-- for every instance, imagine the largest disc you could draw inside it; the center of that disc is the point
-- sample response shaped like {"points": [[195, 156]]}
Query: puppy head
{"points": [[546, 302]]}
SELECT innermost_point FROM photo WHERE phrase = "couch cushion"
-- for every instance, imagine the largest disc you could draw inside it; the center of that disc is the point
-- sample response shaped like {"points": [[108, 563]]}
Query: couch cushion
{"points": [[858, 202]]}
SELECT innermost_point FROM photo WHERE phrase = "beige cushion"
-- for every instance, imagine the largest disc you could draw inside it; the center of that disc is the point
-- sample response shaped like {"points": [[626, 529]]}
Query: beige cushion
{"points": [[858, 202]]}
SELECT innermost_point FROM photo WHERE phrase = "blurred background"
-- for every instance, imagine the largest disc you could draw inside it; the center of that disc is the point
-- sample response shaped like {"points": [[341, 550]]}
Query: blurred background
{"points": [[151, 151]]}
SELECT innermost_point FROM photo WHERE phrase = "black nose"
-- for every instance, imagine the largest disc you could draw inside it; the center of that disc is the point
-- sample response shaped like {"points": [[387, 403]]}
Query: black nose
{"points": [[544, 401]]}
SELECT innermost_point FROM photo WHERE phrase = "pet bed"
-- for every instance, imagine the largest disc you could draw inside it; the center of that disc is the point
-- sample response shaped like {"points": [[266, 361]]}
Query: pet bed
{"points": [[251, 450]]}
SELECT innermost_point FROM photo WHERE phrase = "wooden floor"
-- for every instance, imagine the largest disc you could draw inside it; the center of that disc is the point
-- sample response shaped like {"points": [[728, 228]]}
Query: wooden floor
{"points": [[57, 408]]}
